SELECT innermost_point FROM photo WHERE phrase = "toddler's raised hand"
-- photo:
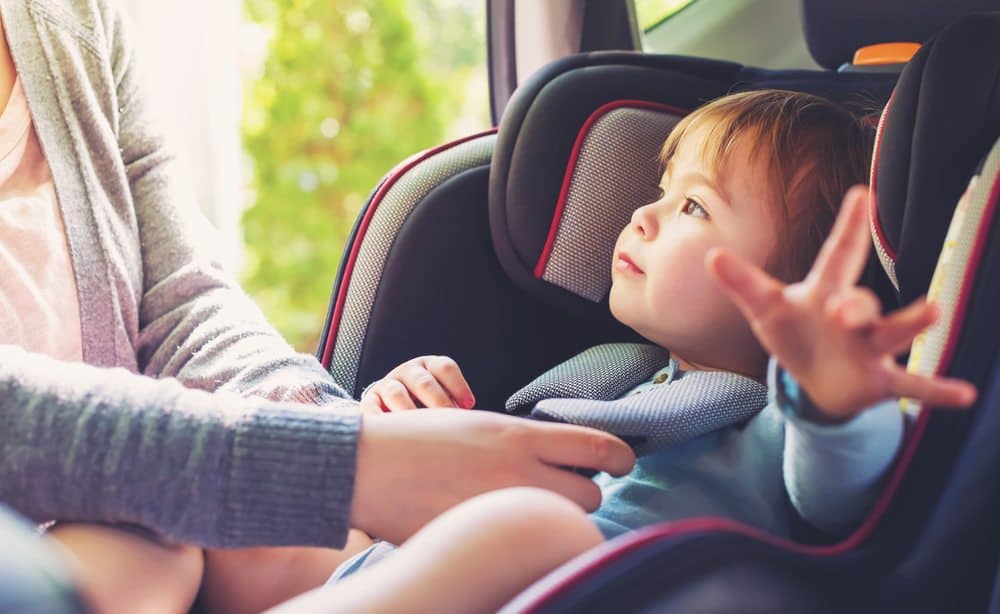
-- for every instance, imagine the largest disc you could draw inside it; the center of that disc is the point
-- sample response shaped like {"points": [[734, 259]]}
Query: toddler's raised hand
{"points": [[427, 381], [829, 333]]}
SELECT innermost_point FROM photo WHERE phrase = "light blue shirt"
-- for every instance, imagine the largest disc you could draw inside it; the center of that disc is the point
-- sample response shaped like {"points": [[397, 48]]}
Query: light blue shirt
{"points": [[759, 472]]}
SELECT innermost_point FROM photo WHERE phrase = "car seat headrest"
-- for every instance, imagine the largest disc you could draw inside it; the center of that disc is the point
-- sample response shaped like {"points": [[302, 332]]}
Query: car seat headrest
{"points": [[577, 152], [939, 122], [835, 30]]}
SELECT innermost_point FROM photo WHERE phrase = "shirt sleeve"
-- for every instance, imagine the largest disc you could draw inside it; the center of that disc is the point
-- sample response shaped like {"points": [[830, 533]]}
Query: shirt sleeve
{"points": [[83, 443], [834, 472]]}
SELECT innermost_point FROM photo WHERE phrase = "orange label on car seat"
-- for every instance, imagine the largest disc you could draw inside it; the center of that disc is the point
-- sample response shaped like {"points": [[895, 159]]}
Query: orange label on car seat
{"points": [[885, 53]]}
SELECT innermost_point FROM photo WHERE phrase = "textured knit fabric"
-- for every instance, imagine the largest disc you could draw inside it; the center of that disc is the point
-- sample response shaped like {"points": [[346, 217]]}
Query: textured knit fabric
{"points": [[39, 310], [134, 435]]}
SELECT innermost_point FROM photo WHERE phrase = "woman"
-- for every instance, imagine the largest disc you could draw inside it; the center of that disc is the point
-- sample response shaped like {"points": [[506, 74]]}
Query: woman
{"points": [[180, 409]]}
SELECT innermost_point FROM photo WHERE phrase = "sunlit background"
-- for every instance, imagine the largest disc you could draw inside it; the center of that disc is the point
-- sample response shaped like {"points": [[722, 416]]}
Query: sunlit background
{"points": [[288, 112]]}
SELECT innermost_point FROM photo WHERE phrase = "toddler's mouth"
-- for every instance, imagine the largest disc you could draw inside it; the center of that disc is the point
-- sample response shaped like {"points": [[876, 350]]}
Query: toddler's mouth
{"points": [[626, 264]]}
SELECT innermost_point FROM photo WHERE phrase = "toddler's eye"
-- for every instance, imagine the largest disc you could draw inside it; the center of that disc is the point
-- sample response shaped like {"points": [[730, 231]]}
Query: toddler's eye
{"points": [[692, 208]]}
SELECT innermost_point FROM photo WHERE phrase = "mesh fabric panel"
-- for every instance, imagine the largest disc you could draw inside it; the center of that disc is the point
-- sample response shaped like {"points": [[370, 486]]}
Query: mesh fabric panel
{"points": [[617, 171], [602, 372], [389, 216]]}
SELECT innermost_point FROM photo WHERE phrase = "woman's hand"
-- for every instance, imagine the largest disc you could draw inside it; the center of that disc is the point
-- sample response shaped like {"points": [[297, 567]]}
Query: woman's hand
{"points": [[829, 333], [412, 466], [427, 381]]}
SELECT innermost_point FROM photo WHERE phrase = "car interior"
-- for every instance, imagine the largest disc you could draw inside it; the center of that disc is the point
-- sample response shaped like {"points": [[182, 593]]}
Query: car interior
{"points": [[526, 216]]}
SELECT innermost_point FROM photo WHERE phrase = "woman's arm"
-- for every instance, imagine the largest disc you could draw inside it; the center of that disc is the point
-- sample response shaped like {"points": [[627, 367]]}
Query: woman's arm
{"points": [[105, 445]]}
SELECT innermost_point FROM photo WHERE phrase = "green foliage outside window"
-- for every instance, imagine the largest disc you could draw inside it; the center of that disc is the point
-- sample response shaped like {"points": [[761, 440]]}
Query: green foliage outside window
{"points": [[348, 89], [650, 13]]}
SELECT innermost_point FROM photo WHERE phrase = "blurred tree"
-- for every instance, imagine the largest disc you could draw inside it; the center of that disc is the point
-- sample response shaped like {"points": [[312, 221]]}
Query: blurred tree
{"points": [[348, 89]]}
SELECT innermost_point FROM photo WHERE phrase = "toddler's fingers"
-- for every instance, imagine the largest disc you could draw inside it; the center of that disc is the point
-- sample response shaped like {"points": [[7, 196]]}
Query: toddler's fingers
{"points": [[937, 392], [371, 403], [855, 308], [424, 387], [896, 332], [450, 376], [395, 396], [843, 255], [753, 290]]}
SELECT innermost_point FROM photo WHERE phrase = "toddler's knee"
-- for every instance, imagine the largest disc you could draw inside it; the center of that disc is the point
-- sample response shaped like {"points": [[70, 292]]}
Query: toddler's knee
{"points": [[532, 516], [188, 563]]}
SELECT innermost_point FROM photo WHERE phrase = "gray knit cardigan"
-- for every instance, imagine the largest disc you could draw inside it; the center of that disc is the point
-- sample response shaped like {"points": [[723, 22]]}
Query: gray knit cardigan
{"points": [[190, 416]]}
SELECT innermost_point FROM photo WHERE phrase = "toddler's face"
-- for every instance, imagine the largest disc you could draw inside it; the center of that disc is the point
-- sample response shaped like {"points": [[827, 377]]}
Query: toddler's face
{"points": [[660, 286]]}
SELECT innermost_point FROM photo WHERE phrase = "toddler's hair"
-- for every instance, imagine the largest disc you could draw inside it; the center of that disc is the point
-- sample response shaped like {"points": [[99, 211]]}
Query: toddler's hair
{"points": [[813, 149]]}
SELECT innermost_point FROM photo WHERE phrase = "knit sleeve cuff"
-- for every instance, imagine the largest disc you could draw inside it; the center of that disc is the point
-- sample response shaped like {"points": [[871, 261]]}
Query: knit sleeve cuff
{"points": [[792, 400], [292, 477]]}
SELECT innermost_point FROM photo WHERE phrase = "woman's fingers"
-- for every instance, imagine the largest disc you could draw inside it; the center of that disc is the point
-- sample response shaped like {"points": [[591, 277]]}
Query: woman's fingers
{"points": [[565, 445], [754, 291], [578, 488], [843, 255], [938, 392], [449, 375]]}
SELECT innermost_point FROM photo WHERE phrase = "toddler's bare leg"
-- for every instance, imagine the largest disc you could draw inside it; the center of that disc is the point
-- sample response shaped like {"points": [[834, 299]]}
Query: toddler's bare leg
{"points": [[121, 571], [249, 580], [473, 558]]}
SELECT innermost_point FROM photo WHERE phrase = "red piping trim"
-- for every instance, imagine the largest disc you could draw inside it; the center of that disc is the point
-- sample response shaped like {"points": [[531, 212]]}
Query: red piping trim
{"points": [[640, 538], [872, 189], [574, 156], [345, 281]]}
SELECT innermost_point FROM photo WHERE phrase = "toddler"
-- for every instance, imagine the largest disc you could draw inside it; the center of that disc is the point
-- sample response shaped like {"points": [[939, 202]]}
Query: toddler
{"points": [[751, 187]]}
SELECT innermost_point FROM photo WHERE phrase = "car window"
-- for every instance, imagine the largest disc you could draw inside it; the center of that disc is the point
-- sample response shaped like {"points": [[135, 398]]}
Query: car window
{"points": [[765, 33], [651, 13], [337, 94]]}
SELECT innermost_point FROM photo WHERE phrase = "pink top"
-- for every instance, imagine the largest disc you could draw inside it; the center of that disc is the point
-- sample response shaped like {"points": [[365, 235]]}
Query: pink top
{"points": [[39, 308]]}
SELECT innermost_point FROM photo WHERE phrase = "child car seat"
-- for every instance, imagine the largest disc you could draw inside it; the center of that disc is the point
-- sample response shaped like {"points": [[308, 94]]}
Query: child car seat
{"points": [[931, 543], [422, 276], [495, 249]]}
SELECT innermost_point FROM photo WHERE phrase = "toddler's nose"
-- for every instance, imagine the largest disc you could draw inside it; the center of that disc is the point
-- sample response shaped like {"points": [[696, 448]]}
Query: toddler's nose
{"points": [[644, 221]]}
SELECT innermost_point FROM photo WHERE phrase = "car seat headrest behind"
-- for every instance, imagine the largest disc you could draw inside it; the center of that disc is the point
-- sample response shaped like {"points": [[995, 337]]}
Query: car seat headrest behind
{"points": [[577, 153], [922, 162], [835, 30], [578, 150]]}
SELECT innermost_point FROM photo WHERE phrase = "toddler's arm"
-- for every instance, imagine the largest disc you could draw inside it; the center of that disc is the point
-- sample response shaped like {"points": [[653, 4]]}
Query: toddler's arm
{"points": [[831, 337], [834, 472]]}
